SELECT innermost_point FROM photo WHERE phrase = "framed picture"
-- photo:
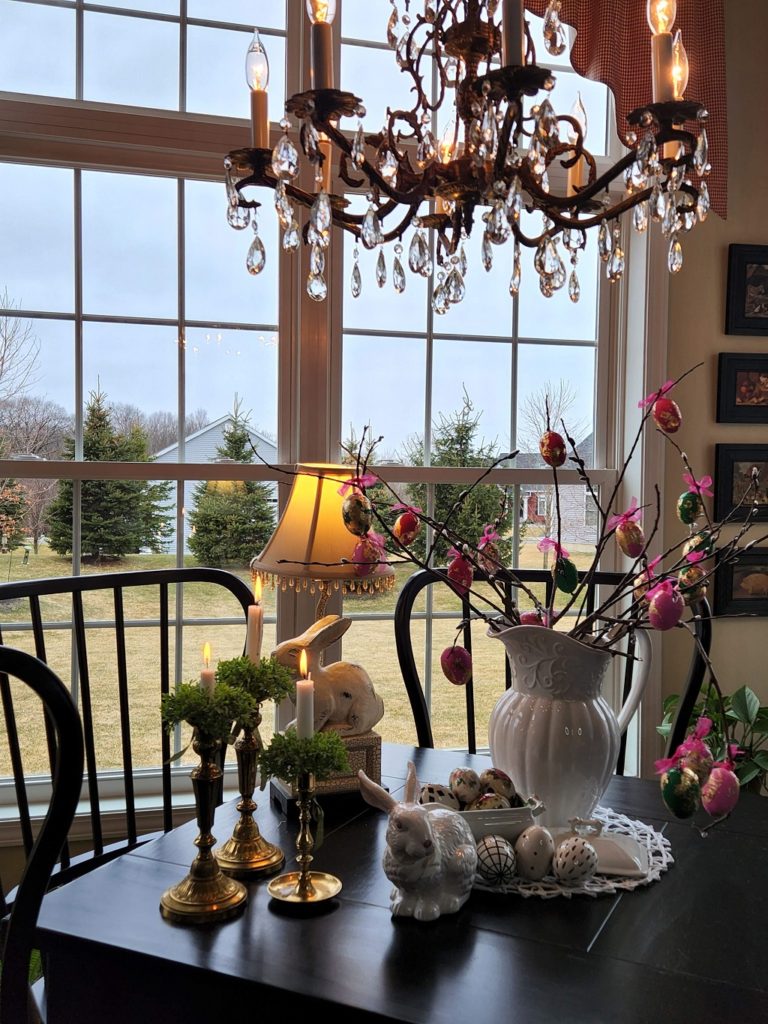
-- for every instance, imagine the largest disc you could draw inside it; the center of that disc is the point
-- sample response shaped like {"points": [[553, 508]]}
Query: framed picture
{"points": [[741, 474], [742, 388], [746, 299], [742, 586]]}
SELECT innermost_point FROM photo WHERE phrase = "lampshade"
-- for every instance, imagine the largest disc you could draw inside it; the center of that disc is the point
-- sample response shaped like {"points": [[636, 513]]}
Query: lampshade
{"points": [[311, 547]]}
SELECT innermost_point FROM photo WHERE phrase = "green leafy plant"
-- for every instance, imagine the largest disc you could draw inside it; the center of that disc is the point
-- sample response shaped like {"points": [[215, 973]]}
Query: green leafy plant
{"points": [[263, 680], [287, 756], [210, 713], [747, 722]]}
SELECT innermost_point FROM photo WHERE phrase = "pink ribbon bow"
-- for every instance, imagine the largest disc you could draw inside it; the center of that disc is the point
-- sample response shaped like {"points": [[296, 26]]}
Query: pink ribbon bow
{"points": [[489, 535], [632, 515], [665, 585], [650, 399], [701, 487], [548, 544], [695, 556], [402, 507], [694, 744], [359, 483]]}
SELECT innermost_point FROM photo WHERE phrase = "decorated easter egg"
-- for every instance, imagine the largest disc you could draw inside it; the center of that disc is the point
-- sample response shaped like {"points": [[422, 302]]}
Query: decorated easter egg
{"points": [[357, 513], [495, 860], [689, 507], [720, 793], [681, 792], [700, 762], [630, 538], [489, 557], [552, 448], [643, 583], [489, 802], [406, 527], [460, 574], [665, 609], [531, 619], [701, 541], [566, 575], [435, 793], [366, 556], [667, 415], [575, 860], [465, 785], [456, 663], [693, 583], [494, 780], [534, 849]]}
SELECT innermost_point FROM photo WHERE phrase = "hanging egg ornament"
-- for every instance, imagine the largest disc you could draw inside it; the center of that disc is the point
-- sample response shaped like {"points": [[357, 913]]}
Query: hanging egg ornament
{"points": [[357, 513], [460, 574], [701, 541], [681, 792], [406, 527], [489, 557], [566, 575], [667, 415], [689, 507], [720, 793], [366, 556], [533, 618], [693, 583], [552, 448], [630, 538], [495, 860], [643, 583], [665, 609], [456, 663], [435, 793], [534, 850], [465, 785], [575, 860], [700, 762]]}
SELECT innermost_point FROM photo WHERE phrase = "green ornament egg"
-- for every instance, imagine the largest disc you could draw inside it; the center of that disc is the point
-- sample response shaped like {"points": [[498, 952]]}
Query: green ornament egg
{"points": [[681, 792], [701, 541], [693, 583], [566, 575], [689, 507]]}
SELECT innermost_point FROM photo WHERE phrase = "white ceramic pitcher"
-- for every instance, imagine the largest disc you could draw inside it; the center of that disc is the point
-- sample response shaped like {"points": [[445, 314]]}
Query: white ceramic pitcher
{"points": [[553, 732]]}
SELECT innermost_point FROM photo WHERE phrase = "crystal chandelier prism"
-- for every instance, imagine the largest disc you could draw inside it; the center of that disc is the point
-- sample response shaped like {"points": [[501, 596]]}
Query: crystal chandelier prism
{"points": [[492, 164]]}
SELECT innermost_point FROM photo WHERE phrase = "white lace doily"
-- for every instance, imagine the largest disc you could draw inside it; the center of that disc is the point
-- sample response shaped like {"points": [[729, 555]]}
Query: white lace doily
{"points": [[656, 846]]}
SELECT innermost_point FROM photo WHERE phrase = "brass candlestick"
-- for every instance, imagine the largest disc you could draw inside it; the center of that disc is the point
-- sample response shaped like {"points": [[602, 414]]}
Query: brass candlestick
{"points": [[247, 853], [206, 893], [304, 886]]}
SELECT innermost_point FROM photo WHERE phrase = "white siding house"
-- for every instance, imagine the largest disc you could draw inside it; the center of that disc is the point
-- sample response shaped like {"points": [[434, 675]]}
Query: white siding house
{"points": [[202, 446]]}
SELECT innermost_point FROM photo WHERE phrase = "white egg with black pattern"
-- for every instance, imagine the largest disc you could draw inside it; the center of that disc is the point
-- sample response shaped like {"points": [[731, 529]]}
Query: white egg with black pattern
{"points": [[496, 860], [534, 849], [575, 861], [435, 793]]}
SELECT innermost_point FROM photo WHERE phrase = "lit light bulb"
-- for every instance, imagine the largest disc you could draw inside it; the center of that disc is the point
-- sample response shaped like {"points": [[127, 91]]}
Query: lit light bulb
{"points": [[661, 15], [447, 147], [679, 67], [257, 64], [321, 11]]}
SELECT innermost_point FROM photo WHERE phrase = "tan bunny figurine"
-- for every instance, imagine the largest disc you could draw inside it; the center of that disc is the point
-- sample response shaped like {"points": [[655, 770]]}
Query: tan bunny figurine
{"points": [[345, 699]]}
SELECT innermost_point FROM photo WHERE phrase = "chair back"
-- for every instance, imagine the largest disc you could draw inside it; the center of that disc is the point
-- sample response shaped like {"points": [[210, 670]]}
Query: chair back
{"points": [[62, 723], [541, 581], [120, 588]]}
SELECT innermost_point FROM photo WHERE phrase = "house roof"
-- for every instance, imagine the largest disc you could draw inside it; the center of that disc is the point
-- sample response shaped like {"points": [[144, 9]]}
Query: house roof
{"points": [[258, 439]]}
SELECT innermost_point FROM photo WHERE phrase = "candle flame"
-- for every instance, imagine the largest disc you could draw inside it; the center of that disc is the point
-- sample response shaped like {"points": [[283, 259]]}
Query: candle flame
{"points": [[257, 590], [303, 664], [207, 655]]}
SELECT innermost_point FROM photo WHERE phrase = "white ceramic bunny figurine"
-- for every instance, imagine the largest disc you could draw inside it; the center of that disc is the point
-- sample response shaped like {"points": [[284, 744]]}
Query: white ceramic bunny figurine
{"points": [[431, 854], [345, 699]]}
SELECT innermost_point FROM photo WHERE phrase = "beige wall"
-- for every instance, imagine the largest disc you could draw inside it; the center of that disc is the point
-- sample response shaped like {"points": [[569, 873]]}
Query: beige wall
{"points": [[696, 319]]}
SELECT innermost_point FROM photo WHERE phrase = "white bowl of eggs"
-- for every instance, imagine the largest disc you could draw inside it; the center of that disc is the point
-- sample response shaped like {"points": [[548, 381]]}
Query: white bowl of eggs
{"points": [[486, 800]]}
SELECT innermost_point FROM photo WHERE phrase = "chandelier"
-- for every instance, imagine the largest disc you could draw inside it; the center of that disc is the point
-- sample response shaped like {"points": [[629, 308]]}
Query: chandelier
{"points": [[490, 166]]}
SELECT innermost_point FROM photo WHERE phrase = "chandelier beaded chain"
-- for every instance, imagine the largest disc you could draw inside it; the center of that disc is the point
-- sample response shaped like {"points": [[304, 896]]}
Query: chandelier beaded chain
{"points": [[491, 166]]}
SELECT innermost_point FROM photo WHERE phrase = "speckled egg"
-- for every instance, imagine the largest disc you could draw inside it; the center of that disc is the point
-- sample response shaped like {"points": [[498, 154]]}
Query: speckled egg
{"points": [[681, 792], [489, 802], [495, 860], [494, 780], [357, 513], [434, 793], [575, 861], [534, 850], [465, 785], [689, 507]]}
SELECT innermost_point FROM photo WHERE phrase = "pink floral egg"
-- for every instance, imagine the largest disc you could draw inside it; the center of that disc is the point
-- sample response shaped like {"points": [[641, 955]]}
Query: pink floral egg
{"points": [[665, 608], [720, 793]]}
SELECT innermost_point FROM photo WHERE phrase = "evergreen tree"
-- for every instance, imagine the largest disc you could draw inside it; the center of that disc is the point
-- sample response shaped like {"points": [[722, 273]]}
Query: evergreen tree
{"points": [[231, 520], [118, 516], [455, 442], [13, 508]]}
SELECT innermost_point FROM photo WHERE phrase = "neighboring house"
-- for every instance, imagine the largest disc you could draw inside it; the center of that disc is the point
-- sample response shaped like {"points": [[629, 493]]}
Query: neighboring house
{"points": [[577, 510], [202, 446]]}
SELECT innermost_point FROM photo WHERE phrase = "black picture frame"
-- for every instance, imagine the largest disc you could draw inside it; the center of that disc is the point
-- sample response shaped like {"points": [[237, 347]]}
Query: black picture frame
{"points": [[746, 297], [741, 586], [742, 387], [733, 466]]}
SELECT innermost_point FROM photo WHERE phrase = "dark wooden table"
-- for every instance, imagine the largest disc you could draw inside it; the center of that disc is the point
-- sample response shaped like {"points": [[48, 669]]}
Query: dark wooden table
{"points": [[690, 947]]}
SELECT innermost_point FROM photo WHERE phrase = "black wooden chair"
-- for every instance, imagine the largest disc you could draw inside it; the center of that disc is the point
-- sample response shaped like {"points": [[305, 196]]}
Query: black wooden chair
{"points": [[534, 578], [64, 731], [101, 810]]}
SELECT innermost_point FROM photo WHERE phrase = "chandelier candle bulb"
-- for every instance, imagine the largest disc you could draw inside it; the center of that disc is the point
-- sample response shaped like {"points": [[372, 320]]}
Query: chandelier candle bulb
{"points": [[513, 33], [255, 629], [321, 14], [208, 674], [305, 701], [257, 76], [661, 17], [576, 174]]}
